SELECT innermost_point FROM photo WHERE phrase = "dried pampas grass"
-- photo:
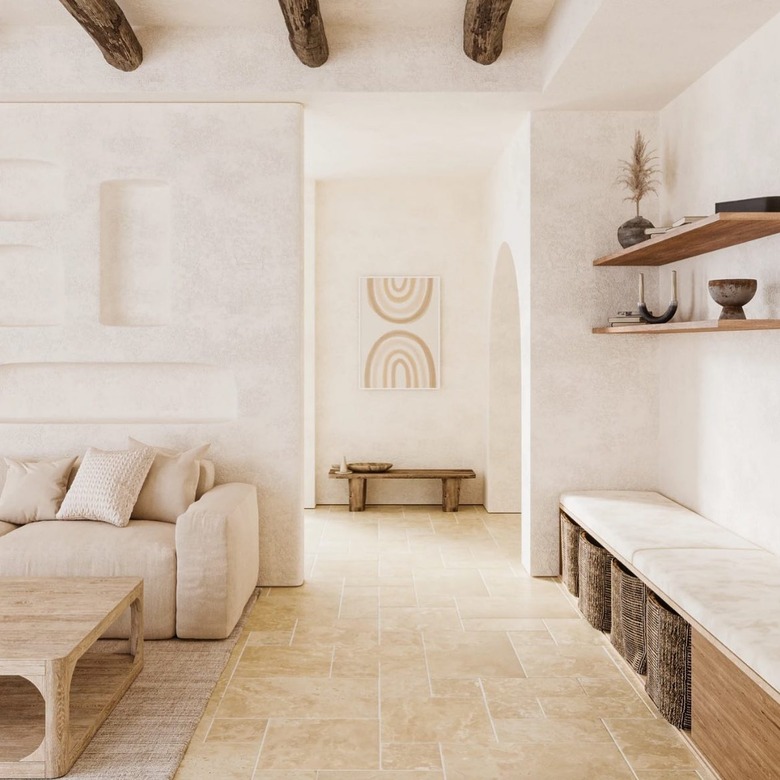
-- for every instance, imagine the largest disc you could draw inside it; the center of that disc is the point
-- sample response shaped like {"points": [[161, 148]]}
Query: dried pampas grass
{"points": [[638, 175]]}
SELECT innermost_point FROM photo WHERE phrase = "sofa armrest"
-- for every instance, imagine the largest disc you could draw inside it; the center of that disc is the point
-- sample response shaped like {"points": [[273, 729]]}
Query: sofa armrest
{"points": [[217, 561]]}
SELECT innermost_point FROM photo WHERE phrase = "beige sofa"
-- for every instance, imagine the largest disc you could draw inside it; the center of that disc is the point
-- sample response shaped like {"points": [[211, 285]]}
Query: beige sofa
{"points": [[198, 572]]}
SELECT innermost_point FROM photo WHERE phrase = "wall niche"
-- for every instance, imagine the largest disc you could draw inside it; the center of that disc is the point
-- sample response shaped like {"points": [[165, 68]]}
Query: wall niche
{"points": [[135, 253]]}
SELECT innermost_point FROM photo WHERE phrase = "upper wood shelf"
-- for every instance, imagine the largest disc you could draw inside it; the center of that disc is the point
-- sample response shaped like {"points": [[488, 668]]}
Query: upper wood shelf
{"points": [[716, 232], [703, 326]]}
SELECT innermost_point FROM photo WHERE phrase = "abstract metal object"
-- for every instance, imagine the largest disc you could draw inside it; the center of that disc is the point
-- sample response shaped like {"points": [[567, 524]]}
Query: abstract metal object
{"points": [[648, 316]]}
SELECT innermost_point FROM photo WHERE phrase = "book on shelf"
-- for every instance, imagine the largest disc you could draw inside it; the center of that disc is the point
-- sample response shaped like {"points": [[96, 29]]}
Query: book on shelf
{"points": [[686, 221], [659, 231], [623, 323], [625, 320]]}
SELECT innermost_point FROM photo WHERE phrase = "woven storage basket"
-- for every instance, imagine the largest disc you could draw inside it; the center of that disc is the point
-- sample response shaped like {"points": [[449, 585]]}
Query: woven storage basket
{"points": [[595, 600], [570, 543], [628, 636], [668, 681]]}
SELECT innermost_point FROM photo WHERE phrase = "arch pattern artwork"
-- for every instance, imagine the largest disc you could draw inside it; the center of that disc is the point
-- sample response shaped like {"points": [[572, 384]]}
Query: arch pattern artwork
{"points": [[393, 357], [400, 299]]}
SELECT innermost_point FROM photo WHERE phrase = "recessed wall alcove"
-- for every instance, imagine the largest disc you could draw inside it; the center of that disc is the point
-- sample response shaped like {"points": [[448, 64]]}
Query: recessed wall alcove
{"points": [[32, 289], [30, 190], [135, 252], [116, 393]]}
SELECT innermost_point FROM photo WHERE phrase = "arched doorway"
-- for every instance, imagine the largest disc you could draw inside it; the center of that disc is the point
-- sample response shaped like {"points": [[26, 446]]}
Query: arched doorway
{"points": [[503, 485]]}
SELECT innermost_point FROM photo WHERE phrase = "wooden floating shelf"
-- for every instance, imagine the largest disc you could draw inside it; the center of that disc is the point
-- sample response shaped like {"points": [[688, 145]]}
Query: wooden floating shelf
{"points": [[706, 235], [703, 326]]}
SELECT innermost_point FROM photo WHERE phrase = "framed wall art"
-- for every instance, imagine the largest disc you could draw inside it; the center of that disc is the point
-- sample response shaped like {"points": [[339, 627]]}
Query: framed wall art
{"points": [[399, 333]]}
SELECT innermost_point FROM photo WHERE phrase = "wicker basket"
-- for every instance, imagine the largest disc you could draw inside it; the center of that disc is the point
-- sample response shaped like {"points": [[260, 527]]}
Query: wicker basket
{"points": [[668, 662], [629, 597], [570, 543], [595, 600]]}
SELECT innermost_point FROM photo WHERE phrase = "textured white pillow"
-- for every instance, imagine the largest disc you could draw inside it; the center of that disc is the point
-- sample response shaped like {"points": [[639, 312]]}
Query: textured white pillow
{"points": [[170, 485], [34, 490], [107, 486]]}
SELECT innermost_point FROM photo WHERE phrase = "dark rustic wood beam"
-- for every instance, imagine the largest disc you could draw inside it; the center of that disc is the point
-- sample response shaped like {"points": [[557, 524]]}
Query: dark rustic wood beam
{"points": [[307, 31], [109, 29], [483, 29]]}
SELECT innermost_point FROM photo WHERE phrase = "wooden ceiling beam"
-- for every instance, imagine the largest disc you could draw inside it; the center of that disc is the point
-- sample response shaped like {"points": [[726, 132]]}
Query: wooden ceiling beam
{"points": [[307, 31], [483, 29], [108, 27]]}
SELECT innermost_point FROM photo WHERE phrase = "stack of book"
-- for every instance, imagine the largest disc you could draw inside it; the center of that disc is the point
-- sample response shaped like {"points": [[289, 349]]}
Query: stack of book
{"points": [[659, 231], [625, 318]]}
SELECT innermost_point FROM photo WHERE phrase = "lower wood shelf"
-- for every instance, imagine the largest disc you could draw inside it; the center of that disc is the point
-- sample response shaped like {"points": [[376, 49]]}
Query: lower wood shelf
{"points": [[703, 326]]}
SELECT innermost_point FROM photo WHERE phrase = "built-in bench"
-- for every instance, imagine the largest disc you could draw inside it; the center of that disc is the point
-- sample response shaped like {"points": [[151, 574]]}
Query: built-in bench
{"points": [[728, 589]]}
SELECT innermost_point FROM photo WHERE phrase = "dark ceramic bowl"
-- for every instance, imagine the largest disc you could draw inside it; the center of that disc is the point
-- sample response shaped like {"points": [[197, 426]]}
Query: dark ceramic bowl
{"points": [[732, 295]]}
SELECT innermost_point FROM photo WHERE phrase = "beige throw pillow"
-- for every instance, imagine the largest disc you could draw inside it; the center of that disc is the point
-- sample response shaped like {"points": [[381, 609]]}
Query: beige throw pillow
{"points": [[107, 486], [171, 484], [34, 490]]}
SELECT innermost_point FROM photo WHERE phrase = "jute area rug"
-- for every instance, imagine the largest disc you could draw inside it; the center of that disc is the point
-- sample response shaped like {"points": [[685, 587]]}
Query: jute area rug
{"points": [[146, 736]]}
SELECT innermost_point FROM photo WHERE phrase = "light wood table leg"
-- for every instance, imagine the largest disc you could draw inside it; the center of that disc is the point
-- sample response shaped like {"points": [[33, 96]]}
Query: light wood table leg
{"points": [[357, 494], [450, 494], [57, 702]]}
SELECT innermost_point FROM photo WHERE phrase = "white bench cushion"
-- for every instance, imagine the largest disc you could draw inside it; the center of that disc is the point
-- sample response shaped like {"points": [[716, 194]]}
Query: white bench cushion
{"points": [[733, 594], [85, 548], [6, 527], [630, 521]]}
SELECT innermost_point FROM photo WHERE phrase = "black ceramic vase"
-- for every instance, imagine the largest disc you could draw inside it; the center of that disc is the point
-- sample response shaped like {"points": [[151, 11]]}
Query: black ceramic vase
{"points": [[633, 231]]}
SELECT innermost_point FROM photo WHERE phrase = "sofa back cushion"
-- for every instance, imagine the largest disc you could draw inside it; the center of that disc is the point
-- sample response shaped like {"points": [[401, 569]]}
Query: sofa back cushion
{"points": [[34, 490], [171, 484]]}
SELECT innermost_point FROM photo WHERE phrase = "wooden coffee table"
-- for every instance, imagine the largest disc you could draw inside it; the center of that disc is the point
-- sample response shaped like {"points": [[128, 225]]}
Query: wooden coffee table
{"points": [[47, 628]]}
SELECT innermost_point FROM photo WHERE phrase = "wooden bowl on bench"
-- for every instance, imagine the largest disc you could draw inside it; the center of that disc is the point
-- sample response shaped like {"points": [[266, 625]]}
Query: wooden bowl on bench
{"points": [[369, 468]]}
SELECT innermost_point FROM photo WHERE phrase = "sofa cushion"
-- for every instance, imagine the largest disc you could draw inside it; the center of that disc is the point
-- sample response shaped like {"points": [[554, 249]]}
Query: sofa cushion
{"points": [[34, 489], [730, 593], [629, 521], [170, 485], [107, 486], [4, 529], [81, 548]]}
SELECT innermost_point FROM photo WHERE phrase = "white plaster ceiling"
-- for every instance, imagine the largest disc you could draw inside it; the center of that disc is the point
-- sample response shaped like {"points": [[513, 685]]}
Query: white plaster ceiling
{"points": [[407, 134], [242, 13]]}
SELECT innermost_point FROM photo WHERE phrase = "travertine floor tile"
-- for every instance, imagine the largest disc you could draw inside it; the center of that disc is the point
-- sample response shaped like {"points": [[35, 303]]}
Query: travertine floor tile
{"points": [[536, 730], [463, 654], [568, 631], [320, 744], [686, 775], [419, 619], [654, 745], [300, 697], [554, 761], [434, 720], [549, 606], [218, 761], [285, 661], [585, 706], [567, 661], [391, 775], [237, 730], [404, 756]]}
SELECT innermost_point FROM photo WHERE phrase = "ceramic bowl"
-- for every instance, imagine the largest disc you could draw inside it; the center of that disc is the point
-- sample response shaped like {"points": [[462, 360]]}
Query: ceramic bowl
{"points": [[732, 295], [368, 468]]}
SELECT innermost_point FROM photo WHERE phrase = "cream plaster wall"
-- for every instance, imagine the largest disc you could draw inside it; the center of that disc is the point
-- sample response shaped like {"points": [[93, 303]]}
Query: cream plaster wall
{"points": [[221, 359], [402, 227], [589, 403], [720, 393]]}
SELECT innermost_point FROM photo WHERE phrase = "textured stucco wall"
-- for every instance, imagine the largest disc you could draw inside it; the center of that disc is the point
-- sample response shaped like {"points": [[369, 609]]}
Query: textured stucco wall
{"points": [[402, 227], [592, 400], [720, 393], [218, 356]]}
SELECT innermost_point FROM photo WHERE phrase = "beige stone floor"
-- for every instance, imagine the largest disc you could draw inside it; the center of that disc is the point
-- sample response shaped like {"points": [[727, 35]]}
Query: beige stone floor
{"points": [[419, 649]]}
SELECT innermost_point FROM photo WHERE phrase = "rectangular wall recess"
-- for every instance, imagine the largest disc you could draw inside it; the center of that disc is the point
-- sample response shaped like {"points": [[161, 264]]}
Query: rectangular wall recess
{"points": [[135, 253], [29, 190], [116, 393]]}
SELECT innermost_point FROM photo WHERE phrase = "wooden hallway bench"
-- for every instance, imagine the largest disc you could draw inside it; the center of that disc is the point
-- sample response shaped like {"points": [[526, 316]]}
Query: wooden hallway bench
{"points": [[450, 484]]}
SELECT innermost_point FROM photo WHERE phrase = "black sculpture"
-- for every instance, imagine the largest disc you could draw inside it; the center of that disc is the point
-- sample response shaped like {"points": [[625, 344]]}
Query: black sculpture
{"points": [[648, 316]]}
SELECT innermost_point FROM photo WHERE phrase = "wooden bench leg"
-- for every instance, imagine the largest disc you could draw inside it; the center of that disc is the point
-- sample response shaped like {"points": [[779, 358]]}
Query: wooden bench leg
{"points": [[450, 494], [357, 494]]}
